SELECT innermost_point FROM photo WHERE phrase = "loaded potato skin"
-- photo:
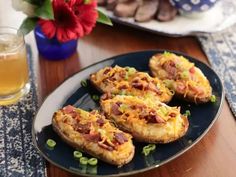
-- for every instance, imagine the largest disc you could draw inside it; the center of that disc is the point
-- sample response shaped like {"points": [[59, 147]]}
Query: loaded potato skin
{"points": [[182, 76], [147, 120], [92, 133], [128, 81]]}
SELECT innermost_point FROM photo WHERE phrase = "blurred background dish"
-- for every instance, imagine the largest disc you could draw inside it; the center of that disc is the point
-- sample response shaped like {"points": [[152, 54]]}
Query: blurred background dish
{"points": [[189, 6], [159, 16]]}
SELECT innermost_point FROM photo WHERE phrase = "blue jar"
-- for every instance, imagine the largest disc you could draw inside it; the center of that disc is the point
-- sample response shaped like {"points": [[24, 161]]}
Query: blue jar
{"points": [[52, 49], [191, 6]]}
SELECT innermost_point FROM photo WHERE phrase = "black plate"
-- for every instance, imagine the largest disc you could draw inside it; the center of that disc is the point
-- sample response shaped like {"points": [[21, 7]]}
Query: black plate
{"points": [[70, 92]]}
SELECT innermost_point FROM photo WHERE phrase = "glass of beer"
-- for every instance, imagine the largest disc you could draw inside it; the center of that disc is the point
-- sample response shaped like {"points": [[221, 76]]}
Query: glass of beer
{"points": [[14, 75]]}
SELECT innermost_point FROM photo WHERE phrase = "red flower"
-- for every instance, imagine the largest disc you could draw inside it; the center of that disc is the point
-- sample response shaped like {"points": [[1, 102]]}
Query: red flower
{"points": [[72, 20], [86, 13]]}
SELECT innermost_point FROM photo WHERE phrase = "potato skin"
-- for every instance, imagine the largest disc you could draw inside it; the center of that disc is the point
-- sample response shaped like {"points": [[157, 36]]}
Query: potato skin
{"points": [[171, 129], [120, 156], [119, 81], [180, 75]]}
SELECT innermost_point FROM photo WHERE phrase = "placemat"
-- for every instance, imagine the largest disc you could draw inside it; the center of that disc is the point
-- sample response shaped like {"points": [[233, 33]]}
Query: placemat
{"points": [[220, 49], [18, 157]]}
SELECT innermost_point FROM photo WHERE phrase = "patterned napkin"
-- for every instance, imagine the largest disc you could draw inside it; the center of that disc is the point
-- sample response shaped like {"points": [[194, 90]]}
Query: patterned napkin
{"points": [[220, 49], [18, 157]]}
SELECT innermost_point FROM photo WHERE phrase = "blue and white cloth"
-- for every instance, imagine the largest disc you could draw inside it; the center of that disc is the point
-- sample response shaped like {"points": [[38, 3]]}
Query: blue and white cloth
{"points": [[220, 49], [18, 157]]}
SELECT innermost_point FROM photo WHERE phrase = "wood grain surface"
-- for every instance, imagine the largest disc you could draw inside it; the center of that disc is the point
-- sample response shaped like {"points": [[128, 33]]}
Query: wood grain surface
{"points": [[213, 156]]}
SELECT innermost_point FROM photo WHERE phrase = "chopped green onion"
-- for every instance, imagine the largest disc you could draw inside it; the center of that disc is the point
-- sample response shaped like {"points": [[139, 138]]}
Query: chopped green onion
{"points": [[51, 143], [123, 107], [84, 83], [126, 76], [179, 65], [172, 92], [122, 92], [213, 98], [83, 160], [168, 83], [152, 147], [102, 132], [77, 154], [83, 168], [164, 111], [95, 97], [166, 54], [185, 75], [131, 71], [190, 141], [187, 113], [147, 149], [93, 161], [92, 169]]}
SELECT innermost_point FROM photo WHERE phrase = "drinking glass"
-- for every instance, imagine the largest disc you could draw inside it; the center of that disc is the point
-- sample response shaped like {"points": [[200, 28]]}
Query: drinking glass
{"points": [[14, 75]]}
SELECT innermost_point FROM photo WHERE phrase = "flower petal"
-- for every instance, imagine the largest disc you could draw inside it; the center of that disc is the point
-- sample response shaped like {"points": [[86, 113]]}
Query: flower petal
{"points": [[48, 28]]}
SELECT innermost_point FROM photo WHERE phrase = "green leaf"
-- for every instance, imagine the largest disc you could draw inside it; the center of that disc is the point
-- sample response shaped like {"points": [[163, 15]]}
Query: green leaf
{"points": [[28, 25], [102, 18], [45, 10]]}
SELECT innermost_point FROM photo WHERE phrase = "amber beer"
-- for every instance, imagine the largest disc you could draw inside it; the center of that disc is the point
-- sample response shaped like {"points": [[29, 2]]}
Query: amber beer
{"points": [[13, 66]]}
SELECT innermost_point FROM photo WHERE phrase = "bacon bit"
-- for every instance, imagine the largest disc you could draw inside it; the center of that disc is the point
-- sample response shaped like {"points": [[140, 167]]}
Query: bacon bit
{"points": [[95, 137], [172, 114], [100, 122], [105, 146], [122, 74], [68, 109], [198, 90], [106, 96], [111, 78], [83, 128], [115, 109], [192, 70], [109, 143], [170, 67], [127, 114], [138, 107], [77, 117], [73, 114], [135, 80], [107, 70], [121, 138], [153, 117], [137, 85], [144, 79], [65, 121], [123, 87], [133, 107], [153, 88], [180, 87], [159, 119]]}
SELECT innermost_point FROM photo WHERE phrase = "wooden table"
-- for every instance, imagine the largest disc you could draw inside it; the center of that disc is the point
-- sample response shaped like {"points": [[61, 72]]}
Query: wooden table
{"points": [[213, 156]]}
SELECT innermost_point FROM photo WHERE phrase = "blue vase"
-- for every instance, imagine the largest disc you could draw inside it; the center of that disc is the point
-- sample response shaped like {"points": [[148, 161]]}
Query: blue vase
{"points": [[52, 49]]}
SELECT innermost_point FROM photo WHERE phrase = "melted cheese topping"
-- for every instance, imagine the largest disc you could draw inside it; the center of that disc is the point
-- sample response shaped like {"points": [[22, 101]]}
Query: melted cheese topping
{"points": [[184, 75], [128, 81], [67, 123], [134, 111]]}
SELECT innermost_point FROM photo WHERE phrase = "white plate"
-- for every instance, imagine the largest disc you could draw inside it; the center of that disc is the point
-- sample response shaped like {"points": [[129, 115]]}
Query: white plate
{"points": [[221, 16]]}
